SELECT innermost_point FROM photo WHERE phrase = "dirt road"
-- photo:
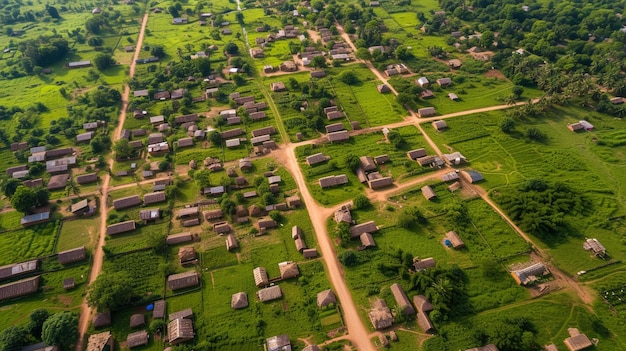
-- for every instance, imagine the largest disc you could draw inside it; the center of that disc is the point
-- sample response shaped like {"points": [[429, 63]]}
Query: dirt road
{"points": [[357, 333], [98, 254]]}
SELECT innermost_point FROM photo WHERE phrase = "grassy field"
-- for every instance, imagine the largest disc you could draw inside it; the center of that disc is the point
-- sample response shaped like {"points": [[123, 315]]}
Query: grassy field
{"points": [[79, 232], [28, 243]]}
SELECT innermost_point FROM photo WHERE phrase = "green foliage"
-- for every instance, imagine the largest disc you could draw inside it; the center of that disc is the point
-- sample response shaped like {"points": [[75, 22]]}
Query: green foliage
{"points": [[535, 134], [445, 288], [24, 199], [110, 291], [349, 77], [342, 231], [36, 321], [361, 202], [13, 338], [352, 162], [123, 149], [231, 49], [104, 61], [507, 125], [60, 329], [508, 334], [410, 217], [540, 207], [348, 258]]}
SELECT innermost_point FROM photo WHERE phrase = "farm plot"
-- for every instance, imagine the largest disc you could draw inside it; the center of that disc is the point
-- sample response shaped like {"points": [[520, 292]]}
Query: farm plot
{"points": [[144, 269], [135, 240], [76, 233], [363, 103], [28, 243], [51, 296]]}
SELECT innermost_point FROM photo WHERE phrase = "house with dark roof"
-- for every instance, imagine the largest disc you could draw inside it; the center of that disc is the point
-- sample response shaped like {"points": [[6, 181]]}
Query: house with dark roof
{"points": [[316, 159], [415, 154], [367, 227], [428, 192], [402, 300], [186, 314], [159, 309], [333, 180], [137, 320], [101, 320], [81, 207], [16, 269], [472, 176], [367, 241], [19, 288], [288, 270], [231, 242], [122, 227], [423, 264], [440, 125], [426, 111], [58, 181], [139, 338], [183, 280], [150, 215], [126, 202], [87, 178], [325, 298], [189, 212], [154, 197], [73, 255]]}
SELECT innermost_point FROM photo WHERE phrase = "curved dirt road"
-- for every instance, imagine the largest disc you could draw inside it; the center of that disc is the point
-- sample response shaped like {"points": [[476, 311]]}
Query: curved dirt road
{"points": [[98, 254]]}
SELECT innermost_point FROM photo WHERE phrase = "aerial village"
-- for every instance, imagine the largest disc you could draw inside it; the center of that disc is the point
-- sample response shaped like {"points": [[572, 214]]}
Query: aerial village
{"points": [[310, 175]]}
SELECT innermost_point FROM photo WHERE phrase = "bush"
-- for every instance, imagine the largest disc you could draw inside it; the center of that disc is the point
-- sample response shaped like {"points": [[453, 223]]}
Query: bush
{"points": [[361, 202]]}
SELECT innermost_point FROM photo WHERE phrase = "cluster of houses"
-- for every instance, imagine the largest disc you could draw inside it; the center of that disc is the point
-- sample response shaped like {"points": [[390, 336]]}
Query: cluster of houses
{"points": [[30, 284], [269, 290], [148, 215], [368, 172], [179, 328]]}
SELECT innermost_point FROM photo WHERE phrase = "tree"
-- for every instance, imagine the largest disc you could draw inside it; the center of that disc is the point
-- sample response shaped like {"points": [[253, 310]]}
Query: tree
{"points": [[110, 291], [361, 201], [231, 49], [349, 77], [239, 18], [52, 11], [123, 149], [173, 11], [13, 338], [215, 138], [9, 186], [343, 231], [348, 258], [239, 79], [318, 62], [353, 162], [43, 196], [507, 125], [409, 217], [535, 134], [157, 51], [24, 199], [60, 329], [104, 61], [202, 178]]}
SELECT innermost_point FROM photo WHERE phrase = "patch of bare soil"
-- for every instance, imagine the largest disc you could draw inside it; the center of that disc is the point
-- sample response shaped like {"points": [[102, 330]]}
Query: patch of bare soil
{"points": [[494, 73], [64, 299]]}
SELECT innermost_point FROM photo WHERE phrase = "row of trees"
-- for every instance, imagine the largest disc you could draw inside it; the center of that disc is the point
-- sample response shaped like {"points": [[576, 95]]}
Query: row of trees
{"points": [[60, 329]]}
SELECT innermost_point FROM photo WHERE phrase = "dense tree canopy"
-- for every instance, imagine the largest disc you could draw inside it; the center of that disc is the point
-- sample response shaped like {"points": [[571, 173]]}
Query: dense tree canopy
{"points": [[61, 329], [110, 291]]}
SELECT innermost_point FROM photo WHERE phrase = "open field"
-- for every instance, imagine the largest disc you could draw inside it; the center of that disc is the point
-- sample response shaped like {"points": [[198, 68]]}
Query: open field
{"points": [[76, 233], [23, 244]]}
